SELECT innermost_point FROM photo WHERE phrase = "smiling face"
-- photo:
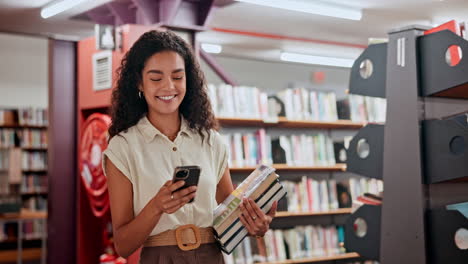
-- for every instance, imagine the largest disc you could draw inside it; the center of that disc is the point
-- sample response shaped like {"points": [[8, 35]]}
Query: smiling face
{"points": [[163, 83]]}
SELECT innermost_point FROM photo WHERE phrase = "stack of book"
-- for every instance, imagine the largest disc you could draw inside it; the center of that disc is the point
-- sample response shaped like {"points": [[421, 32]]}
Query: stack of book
{"points": [[262, 186]]}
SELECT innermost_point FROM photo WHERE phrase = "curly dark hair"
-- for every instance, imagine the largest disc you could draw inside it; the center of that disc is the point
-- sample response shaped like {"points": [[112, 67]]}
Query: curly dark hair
{"points": [[126, 106]]}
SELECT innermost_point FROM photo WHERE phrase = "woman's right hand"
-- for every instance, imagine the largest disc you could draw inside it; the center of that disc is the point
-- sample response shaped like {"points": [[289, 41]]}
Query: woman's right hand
{"points": [[167, 201]]}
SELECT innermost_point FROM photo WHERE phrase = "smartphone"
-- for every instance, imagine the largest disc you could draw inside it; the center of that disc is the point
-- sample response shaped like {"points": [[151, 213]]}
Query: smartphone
{"points": [[189, 174]]}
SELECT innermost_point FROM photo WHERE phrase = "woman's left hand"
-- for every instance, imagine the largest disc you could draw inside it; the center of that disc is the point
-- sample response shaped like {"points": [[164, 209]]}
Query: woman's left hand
{"points": [[254, 219]]}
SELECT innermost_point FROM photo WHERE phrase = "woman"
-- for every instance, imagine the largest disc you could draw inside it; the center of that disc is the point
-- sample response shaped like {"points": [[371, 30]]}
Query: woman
{"points": [[161, 119]]}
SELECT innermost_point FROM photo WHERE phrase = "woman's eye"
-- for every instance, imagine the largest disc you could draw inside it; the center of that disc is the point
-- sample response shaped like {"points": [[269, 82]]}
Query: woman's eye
{"points": [[178, 78], [156, 80]]}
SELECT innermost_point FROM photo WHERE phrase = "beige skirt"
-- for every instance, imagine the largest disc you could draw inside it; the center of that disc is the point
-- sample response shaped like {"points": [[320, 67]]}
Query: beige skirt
{"points": [[205, 254]]}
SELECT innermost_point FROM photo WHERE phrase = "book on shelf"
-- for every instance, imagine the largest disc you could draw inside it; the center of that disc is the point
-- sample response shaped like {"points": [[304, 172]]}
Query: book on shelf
{"points": [[31, 229], [8, 138], [297, 243], [363, 108], [248, 149], [263, 186], [33, 138], [33, 183], [303, 150], [33, 117], [25, 138], [8, 117], [306, 104], [34, 161], [36, 204], [371, 199], [24, 117], [314, 196], [240, 101]]}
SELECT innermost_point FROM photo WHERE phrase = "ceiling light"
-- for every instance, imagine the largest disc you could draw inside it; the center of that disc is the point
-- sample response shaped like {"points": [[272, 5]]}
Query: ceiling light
{"points": [[313, 7], [211, 48], [319, 60], [59, 7]]}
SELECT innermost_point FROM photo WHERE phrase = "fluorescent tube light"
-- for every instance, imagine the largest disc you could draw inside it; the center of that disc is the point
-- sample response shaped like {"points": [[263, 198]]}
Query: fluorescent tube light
{"points": [[319, 60], [312, 7], [211, 48], [59, 7]]}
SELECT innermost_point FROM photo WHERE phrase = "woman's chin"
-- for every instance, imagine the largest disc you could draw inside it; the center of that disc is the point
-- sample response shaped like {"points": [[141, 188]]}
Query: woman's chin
{"points": [[166, 111]]}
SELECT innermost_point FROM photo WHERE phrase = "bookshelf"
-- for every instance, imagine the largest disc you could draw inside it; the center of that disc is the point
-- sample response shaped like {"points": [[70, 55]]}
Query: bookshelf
{"points": [[27, 227], [316, 259], [303, 143], [329, 217]]}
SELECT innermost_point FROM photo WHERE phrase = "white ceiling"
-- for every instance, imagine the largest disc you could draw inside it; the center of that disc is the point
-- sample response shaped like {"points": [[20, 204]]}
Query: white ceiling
{"points": [[379, 16]]}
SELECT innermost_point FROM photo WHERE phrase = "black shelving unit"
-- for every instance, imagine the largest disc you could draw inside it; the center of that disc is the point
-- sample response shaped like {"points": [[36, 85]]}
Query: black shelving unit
{"points": [[425, 146]]}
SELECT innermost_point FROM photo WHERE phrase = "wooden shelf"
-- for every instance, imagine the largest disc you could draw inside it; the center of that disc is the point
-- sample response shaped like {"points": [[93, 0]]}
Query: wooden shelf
{"points": [[317, 259], [34, 171], [34, 193], [285, 167], [285, 123], [332, 212], [15, 240], [227, 121], [33, 149], [24, 215], [23, 126], [339, 124], [28, 254]]}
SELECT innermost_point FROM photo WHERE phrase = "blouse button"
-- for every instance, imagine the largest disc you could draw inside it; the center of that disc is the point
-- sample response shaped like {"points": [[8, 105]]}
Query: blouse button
{"points": [[174, 149]]}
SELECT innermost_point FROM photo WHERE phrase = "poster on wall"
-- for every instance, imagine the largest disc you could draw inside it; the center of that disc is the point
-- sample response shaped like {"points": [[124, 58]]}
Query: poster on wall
{"points": [[102, 70], [104, 37]]}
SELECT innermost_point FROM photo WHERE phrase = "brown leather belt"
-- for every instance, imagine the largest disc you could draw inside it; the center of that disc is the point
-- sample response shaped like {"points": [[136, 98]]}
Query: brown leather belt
{"points": [[186, 237]]}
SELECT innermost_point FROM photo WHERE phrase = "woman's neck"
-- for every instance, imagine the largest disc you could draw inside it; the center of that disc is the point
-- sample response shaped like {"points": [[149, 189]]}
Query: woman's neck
{"points": [[169, 124]]}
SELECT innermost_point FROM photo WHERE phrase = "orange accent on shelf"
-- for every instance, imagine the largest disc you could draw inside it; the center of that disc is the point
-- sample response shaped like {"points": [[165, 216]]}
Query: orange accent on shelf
{"points": [[283, 37]]}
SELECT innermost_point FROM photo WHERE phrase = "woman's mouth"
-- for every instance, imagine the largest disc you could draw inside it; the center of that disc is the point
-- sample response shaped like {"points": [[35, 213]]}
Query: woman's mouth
{"points": [[167, 98]]}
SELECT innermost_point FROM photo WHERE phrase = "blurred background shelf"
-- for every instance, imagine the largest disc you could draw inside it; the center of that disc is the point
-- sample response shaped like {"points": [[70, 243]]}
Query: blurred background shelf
{"points": [[317, 259]]}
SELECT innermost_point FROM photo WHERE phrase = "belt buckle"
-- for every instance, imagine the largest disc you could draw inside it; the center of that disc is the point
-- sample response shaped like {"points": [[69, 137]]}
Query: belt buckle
{"points": [[180, 239]]}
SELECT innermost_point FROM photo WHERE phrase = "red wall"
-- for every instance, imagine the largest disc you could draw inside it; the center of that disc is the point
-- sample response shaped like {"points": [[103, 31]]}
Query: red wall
{"points": [[90, 244]]}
